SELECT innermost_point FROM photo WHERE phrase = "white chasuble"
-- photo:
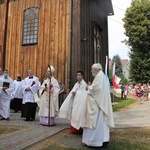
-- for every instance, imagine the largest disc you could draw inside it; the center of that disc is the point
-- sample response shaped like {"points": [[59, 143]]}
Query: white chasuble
{"points": [[98, 112], [49, 97]]}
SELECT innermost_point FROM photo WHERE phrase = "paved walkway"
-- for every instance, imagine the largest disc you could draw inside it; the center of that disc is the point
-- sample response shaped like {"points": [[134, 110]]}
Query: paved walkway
{"points": [[136, 116], [33, 132]]}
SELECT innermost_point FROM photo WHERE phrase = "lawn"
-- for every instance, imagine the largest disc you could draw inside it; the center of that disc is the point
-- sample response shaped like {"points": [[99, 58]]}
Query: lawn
{"points": [[120, 104], [121, 139], [130, 139]]}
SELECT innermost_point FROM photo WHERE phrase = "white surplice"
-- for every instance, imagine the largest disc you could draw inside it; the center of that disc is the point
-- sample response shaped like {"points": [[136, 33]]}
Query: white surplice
{"points": [[30, 96], [73, 106], [98, 112], [5, 97], [18, 91], [44, 98]]}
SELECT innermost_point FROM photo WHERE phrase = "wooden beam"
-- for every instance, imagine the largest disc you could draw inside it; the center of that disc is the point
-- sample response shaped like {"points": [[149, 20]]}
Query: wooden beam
{"points": [[5, 35]]}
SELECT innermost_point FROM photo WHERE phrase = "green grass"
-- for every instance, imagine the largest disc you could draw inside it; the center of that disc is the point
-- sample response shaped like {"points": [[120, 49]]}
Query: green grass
{"points": [[130, 139], [126, 145], [122, 103]]}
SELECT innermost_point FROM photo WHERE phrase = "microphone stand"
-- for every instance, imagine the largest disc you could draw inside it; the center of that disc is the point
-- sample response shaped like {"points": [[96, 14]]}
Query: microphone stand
{"points": [[49, 98]]}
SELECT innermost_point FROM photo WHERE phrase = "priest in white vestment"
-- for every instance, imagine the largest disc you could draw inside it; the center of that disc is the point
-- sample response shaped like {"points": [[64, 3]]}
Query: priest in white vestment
{"points": [[6, 89], [48, 104], [17, 95], [99, 113], [74, 104], [30, 87]]}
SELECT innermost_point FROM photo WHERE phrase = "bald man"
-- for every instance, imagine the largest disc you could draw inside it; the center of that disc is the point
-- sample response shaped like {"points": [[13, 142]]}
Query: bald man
{"points": [[30, 89]]}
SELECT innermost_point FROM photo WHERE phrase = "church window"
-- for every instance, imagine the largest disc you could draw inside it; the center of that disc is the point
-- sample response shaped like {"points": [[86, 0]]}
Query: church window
{"points": [[30, 26]]}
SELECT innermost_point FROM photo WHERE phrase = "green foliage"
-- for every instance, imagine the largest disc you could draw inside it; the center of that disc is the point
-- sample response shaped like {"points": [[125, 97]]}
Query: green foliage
{"points": [[137, 26], [140, 67], [118, 69], [124, 80]]}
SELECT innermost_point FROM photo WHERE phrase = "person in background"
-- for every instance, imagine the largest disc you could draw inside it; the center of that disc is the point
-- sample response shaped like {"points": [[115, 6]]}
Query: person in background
{"points": [[122, 91], [145, 92], [139, 94], [126, 92], [17, 95], [61, 93]]}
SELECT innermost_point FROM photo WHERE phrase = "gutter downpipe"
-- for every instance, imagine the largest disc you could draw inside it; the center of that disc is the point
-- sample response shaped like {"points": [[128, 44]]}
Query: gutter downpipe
{"points": [[70, 44]]}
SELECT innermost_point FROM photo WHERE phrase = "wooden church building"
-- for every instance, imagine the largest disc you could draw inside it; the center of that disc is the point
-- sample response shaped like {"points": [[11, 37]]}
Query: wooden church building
{"points": [[71, 35]]}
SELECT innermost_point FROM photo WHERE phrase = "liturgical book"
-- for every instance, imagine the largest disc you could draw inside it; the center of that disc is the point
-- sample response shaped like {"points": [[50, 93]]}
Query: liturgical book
{"points": [[6, 84]]}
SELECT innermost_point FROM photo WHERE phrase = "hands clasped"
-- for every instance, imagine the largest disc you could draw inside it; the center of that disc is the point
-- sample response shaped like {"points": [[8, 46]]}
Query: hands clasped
{"points": [[74, 93], [28, 89], [4, 88]]}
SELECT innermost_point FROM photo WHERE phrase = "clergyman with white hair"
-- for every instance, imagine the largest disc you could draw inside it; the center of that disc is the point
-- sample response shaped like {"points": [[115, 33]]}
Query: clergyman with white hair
{"points": [[49, 92], [99, 115]]}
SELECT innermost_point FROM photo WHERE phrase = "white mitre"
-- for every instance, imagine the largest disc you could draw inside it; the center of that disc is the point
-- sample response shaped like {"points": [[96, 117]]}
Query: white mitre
{"points": [[52, 69], [97, 66]]}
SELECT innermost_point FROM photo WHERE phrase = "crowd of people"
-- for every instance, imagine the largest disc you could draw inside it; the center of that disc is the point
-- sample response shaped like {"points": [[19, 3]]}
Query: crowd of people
{"points": [[142, 92], [87, 106]]}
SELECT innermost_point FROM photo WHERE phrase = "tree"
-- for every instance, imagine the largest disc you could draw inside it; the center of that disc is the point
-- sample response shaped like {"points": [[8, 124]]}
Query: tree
{"points": [[137, 26], [124, 80], [118, 68], [140, 67]]}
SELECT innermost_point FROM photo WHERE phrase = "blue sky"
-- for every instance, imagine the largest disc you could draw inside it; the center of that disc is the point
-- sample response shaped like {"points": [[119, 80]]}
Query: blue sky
{"points": [[116, 29]]}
